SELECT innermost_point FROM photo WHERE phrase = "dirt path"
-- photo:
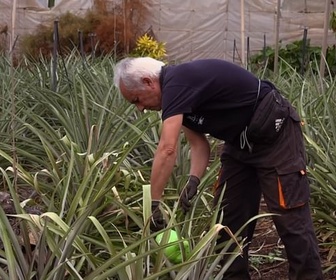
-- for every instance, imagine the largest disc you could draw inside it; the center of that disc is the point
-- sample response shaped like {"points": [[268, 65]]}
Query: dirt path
{"points": [[266, 242]]}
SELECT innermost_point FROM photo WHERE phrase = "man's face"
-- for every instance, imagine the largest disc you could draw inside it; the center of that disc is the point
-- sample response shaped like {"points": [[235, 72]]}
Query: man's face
{"points": [[148, 97]]}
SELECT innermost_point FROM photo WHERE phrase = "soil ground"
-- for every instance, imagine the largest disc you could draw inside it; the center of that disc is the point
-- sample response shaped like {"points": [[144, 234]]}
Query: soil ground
{"points": [[273, 265]]}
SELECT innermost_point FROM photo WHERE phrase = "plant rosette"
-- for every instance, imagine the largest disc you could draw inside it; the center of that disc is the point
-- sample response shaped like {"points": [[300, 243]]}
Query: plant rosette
{"points": [[173, 252]]}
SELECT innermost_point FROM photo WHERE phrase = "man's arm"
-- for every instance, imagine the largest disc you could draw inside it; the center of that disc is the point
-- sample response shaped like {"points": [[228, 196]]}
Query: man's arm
{"points": [[165, 155], [199, 152]]}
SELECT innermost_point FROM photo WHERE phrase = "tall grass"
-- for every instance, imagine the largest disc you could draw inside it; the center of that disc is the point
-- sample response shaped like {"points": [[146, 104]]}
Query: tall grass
{"points": [[84, 155], [315, 99]]}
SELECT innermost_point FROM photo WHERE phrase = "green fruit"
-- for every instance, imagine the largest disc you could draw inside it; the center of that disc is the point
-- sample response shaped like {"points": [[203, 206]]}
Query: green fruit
{"points": [[173, 252]]}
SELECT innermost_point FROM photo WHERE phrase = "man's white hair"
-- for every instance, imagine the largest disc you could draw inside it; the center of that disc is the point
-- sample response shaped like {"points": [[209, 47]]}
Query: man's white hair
{"points": [[131, 70]]}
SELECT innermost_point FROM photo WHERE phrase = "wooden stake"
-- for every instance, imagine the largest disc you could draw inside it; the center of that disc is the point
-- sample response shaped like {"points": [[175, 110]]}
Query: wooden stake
{"points": [[242, 30], [13, 99], [12, 40], [325, 38]]}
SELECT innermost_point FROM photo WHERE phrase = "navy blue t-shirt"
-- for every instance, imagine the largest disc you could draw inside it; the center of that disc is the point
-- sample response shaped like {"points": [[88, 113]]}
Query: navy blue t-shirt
{"points": [[215, 96]]}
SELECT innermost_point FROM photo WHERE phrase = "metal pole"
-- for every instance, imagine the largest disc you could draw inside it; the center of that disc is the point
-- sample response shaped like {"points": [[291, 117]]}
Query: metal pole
{"points": [[81, 46], [247, 52], [264, 50], [114, 33], [276, 49], [304, 50], [13, 102], [125, 25], [234, 50], [92, 43]]}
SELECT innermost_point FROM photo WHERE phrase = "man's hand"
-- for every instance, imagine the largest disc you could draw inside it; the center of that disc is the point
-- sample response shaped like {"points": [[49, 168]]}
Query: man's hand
{"points": [[157, 221], [188, 192]]}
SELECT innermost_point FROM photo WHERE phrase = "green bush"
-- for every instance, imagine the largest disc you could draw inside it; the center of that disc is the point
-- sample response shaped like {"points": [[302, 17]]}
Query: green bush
{"points": [[296, 57]]}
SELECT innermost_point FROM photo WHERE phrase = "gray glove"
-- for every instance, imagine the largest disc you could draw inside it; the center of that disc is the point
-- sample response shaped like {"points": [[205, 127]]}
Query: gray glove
{"points": [[188, 192], [157, 221]]}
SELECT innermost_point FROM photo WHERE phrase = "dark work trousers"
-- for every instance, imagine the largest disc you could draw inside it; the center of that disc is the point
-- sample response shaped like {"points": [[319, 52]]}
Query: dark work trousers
{"points": [[278, 171]]}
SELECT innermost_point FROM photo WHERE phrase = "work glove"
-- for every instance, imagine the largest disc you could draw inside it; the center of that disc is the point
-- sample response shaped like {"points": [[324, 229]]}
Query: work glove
{"points": [[188, 192], [157, 221]]}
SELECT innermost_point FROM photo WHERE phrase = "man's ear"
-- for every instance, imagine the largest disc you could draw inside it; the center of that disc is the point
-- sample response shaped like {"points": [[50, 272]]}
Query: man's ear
{"points": [[147, 81]]}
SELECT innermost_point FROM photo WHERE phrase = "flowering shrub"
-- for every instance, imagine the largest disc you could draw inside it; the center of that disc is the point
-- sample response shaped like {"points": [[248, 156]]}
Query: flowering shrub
{"points": [[147, 46]]}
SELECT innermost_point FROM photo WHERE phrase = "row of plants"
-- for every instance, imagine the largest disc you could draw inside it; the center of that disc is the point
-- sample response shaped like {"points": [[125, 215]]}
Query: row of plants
{"points": [[81, 156], [86, 154], [315, 99], [299, 55]]}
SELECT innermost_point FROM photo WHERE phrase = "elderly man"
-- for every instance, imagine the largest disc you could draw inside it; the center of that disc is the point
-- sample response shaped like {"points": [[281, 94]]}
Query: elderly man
{"points": [[263, 151]]}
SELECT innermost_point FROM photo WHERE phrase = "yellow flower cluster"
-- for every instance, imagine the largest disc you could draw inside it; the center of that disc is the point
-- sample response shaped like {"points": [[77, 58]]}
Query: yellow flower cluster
{"points": [[148, 46]]}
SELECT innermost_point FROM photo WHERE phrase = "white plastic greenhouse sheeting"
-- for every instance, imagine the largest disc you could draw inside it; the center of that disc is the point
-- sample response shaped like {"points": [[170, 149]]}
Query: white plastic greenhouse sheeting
{"points": [[31, 13], [197, 28]]}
